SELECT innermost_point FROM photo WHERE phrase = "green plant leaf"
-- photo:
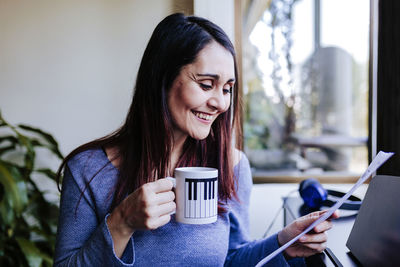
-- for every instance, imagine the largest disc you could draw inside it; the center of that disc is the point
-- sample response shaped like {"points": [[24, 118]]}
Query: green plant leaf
{"points": [[2, 123], [11, 189], [7, 214], [32, 254], [45, 212], [30, 153], [5, 149], [15, 198], [28, 221], [10, 138], [1, 192], [40, 232], [48, 172], [48, 137]]}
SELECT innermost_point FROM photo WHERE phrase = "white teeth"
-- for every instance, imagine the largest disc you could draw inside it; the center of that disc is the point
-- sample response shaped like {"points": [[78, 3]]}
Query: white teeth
{"points": [[203, 116]]}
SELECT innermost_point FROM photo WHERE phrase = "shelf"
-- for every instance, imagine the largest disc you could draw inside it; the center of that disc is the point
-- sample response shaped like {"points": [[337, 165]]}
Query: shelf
{"points": [[285, 176]]}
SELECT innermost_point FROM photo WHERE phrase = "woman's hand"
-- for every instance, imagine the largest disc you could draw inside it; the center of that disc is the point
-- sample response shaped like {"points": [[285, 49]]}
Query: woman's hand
{"points": [[311, 243], [148, 207]]}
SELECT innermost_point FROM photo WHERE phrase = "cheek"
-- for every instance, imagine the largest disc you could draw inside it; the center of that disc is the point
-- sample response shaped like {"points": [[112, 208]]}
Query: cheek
{"points": [[191, 99], [226, 109], [176, 98], [186, 100], [227, 102], [184, 96]]}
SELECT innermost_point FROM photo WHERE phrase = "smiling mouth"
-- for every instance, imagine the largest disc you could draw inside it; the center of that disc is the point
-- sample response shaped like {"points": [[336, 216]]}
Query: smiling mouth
{"points": [[202, 116]]}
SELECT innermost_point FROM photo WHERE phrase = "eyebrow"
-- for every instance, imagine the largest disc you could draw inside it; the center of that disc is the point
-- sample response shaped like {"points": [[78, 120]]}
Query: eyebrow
{"points": [[215, 76]]}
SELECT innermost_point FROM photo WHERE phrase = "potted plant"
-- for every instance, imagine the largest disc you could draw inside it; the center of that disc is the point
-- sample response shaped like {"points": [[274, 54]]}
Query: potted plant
{"points": [[28, 220]]}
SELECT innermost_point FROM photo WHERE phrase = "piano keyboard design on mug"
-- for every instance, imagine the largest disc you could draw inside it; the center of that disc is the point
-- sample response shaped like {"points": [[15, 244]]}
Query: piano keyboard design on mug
{"points": [[201, 199]]}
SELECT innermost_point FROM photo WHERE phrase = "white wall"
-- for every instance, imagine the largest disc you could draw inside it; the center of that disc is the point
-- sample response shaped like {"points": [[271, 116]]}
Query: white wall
{"points": [[69, 66], [220, 12]]}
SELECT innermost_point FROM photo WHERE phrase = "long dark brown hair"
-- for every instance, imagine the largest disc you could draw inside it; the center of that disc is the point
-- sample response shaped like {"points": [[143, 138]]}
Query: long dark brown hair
{"points": [[145, 139]]}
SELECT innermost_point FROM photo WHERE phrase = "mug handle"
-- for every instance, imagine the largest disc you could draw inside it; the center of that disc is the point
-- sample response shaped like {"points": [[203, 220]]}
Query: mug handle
{"points": [[173, 180]]}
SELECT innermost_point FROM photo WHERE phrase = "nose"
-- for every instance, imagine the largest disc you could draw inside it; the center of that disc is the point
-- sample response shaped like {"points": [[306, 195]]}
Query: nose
{"points": [[218, 101]]}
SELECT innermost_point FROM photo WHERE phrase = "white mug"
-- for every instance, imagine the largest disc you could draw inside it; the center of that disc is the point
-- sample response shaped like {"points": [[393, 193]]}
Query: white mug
{"points": [[196, 194]]}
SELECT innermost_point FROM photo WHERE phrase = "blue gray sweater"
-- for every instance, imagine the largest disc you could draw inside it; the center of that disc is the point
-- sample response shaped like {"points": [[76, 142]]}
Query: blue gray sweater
{"points": [[83, 238]]}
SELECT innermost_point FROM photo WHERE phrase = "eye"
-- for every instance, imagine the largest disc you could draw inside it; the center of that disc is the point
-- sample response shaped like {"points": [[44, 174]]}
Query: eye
{"points": [[227, 90], [206, 85]]}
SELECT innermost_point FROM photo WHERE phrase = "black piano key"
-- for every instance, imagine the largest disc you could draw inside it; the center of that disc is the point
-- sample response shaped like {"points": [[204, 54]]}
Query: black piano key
{"points": [[195, 191], [200, 200], [209, 189], [190, 190], [213, 190], [205, 190]]}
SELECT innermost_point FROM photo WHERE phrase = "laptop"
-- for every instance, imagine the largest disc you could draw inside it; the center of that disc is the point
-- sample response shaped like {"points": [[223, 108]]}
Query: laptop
{"points": [[375, 237]]}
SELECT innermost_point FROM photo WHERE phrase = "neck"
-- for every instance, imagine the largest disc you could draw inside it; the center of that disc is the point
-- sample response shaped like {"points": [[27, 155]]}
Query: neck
{"points": [[112, 155], [176, 152]]}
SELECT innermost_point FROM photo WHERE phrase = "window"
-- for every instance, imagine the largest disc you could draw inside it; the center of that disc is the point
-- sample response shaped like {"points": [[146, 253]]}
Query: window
{"points": [[306, 87]]}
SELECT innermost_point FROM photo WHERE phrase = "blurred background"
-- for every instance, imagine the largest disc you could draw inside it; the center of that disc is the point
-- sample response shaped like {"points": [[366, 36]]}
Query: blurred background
{"points": [[306, 87], [69, 67]]}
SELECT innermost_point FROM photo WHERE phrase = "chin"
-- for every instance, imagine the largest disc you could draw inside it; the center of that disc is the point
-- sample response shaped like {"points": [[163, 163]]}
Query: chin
{"points": [[200, 136]]}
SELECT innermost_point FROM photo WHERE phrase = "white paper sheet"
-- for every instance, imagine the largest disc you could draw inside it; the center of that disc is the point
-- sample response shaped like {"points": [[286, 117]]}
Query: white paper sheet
{"points": [[375, 164]]}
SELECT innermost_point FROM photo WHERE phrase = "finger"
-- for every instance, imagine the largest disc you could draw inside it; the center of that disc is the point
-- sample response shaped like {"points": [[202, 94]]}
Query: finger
{"points": [[314, 238], [166, 208], [322, 227], [154, 223], [335, 215], [304, 221], [308, 219], [164, 219], [319, 213], [164, 197], [154, 212], [161, 185]]}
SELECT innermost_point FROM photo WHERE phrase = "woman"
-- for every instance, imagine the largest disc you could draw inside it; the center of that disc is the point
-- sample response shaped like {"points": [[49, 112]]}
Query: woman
{"points": [[115, 205]]}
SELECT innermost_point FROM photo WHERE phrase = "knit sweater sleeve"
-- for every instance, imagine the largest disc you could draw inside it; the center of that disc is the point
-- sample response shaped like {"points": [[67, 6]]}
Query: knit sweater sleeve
{"points": [[242, 251], [83, 238]]}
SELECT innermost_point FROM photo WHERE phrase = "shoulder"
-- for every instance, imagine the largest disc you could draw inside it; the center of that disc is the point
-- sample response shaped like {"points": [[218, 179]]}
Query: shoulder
{"points": [[243, 184], [236, 156], [87, 164], [88, 182], [240, 159], [242, 171], [86, 159]]}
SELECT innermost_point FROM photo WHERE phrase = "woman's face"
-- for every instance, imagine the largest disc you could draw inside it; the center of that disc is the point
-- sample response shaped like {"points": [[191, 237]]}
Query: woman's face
{"points": [[201, 92]]}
